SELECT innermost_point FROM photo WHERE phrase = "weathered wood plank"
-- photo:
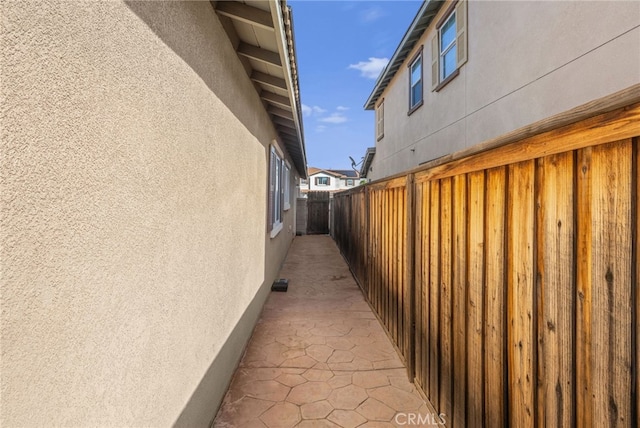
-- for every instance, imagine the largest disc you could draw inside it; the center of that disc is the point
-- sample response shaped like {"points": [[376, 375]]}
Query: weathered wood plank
{"points": [[459, 291], [446, 299], [584, 299], [425, 239], [475, 301], [418, 275], [556, 290], [520, 301], [495, 298], [605, 357], [636, 283], [434, 294], [387, 257]]}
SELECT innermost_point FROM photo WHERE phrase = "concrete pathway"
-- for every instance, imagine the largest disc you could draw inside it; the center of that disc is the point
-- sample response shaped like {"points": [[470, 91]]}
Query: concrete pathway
{"points": [[318, 356]]}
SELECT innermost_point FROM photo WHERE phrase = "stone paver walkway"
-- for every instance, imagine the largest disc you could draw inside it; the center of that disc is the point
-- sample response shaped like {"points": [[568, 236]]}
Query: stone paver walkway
{"points": [[318, 356]]}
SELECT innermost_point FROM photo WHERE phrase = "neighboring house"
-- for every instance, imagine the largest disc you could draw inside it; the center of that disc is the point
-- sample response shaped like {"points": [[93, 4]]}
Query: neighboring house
{"points": [[470, 72], [150, 154], [328, 180]]}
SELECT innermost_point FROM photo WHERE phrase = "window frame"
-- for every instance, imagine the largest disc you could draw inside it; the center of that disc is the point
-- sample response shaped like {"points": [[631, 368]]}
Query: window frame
{"points": [[276, 163], [443, 52], [457, 11], [414, 106], [317, 181], [380, 121], [349, 182], [286, 206]]}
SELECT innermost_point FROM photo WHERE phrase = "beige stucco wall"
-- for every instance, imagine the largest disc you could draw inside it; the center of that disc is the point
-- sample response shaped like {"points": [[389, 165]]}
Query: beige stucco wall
{"points": [[133, 241], [527, 61]]}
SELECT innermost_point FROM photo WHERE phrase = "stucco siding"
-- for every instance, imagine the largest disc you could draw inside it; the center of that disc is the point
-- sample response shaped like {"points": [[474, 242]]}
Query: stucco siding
{"points": [[526, 61], [134, 154]]}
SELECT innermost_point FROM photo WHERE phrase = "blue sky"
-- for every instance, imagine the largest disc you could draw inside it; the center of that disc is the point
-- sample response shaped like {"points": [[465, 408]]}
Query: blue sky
{"points": [[341, 48]]}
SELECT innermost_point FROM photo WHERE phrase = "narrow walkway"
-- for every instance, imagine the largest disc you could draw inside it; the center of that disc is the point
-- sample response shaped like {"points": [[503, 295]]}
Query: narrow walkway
{"points": [[318, 356]]}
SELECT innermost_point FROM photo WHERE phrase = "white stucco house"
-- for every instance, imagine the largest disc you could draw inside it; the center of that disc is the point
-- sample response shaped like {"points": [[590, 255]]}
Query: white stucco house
{"points": [[328, 180], [149, 156]]}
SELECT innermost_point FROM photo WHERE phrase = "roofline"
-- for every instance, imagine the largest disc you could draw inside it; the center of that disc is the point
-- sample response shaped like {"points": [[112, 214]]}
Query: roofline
{"points": [[420, 23], [366, 163], [286, 48], [330, 172]]}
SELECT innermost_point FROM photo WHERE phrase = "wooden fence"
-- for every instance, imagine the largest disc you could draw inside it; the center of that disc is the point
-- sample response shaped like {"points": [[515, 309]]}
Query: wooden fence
{"points": [[508, 277]]}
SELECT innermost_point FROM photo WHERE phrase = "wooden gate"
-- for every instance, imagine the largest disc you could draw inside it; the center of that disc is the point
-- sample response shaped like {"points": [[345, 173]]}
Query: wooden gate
{"points": [[318, 213]]}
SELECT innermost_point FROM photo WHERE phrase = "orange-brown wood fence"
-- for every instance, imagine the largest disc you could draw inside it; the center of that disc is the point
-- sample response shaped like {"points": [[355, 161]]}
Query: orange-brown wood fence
{"points": [[508, 278]]}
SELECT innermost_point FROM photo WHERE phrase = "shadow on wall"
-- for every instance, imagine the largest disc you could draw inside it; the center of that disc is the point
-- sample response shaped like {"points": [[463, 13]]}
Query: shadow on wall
{"points": [[186, 28]]}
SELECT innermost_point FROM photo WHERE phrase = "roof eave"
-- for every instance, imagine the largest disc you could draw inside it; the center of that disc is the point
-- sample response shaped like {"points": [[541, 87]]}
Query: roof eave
{"points": [[420, 23], [286, 48]]}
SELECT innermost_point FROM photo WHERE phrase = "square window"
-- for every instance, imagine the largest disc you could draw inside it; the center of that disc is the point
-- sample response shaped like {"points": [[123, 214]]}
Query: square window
{"points": [[322, 181]]}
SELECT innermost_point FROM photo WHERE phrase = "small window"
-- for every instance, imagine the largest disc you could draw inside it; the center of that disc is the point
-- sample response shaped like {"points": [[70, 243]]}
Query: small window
{"points": [[449, 46], [349, 182], [303, 182], [415, 83], [322, 181], [287, 186], [380, 120]]}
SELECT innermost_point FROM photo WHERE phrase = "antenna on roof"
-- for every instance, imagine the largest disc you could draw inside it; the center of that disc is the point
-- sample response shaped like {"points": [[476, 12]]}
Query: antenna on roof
{"points": [[354, 164]]}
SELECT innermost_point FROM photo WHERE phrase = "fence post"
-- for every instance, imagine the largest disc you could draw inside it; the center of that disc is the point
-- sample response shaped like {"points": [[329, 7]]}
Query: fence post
{"points": [[409, 298]]}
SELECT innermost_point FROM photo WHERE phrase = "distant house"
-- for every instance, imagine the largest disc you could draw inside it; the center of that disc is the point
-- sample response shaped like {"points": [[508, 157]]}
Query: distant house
{"points": [[150, 155], [468, 72], [328, 180]]}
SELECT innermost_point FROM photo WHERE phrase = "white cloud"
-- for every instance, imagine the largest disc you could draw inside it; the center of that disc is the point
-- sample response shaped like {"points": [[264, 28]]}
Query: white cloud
{"points": [[370, 69], [342, 108], [320, 128], [312, 110], [334, 118], [318, 110], [371, 14]]}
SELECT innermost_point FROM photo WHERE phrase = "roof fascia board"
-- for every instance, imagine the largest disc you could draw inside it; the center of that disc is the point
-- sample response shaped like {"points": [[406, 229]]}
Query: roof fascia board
{"points": [[283, 49]]}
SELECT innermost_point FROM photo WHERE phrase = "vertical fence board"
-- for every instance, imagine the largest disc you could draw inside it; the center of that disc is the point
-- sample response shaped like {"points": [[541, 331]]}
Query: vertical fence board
{"points": [[584, 301], [446, 300], [418, 244], [408, 294], [636, 285], [475, 306], [398, 241], [520, 302], [556, 290], [379, 262], [434, 293], [424, 328], [393, 206], [386, 284], [495, 365], [459, 291], [605, 357]]}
